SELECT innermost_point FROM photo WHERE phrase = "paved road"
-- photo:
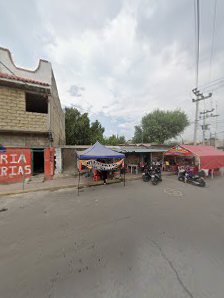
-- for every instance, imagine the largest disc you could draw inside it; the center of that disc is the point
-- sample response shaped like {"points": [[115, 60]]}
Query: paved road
{"points": [[111, 241]]}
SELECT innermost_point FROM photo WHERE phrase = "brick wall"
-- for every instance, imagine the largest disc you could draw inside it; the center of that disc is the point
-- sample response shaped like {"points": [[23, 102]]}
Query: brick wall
{"points": [[13, 113], [23, 140], [133, 158], [57, 117]]}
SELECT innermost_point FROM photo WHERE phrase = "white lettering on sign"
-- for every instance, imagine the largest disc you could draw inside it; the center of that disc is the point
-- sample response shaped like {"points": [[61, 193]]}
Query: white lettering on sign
{"points": [[3, 171], [13, 156], [27, 170], [12, 172], [22, 158], [14, 164], [3, 157], [20, 170]]}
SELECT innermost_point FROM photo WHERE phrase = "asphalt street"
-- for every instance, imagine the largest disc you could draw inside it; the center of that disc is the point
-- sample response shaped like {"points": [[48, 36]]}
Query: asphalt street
{"points": [[113, 241]]}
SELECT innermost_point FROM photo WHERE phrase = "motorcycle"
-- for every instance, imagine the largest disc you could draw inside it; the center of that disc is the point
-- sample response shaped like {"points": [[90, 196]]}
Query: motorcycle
{"points": [[186, 177], [181, 175], [156, 176], [146, 176]]}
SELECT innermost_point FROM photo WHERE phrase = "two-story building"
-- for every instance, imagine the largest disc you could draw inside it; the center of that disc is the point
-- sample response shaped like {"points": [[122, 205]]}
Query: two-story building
{"points": [[32, 121]]}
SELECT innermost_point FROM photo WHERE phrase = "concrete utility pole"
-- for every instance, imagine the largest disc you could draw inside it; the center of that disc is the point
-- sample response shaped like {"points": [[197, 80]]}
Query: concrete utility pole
{"points": [[204, 125], [199, 97], [216, 125]]}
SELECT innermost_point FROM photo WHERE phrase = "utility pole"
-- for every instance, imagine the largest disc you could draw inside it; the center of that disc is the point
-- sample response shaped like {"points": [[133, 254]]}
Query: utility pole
{"points": [[204, 125], [199, 97], [216, 125]]}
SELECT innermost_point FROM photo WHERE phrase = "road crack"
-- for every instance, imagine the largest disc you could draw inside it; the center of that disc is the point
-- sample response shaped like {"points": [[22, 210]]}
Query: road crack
{"points": [[164, 256]]}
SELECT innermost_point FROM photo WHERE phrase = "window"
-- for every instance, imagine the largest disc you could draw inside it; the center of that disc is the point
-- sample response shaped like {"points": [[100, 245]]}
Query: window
{"points": [[36, 103]]}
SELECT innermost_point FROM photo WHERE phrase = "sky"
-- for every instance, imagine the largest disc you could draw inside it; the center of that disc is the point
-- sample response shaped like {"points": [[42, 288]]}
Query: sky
{"points": [[119, 60]]}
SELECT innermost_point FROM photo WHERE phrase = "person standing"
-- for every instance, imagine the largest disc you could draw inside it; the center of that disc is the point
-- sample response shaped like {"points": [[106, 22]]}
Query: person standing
{"points": [[104, 176]]}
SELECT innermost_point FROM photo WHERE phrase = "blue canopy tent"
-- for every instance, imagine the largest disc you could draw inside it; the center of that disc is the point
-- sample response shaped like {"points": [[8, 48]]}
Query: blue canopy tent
{"points": [[98, 151]]}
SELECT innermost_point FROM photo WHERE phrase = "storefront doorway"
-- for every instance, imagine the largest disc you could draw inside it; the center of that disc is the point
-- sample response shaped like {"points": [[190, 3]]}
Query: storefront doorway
{"points": [[37, 161]]}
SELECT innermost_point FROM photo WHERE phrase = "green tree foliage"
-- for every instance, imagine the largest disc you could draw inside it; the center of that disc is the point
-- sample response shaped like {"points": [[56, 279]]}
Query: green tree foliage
{"points": [[159, 126], [79, 131], [77, 127], [96, 132], [114, 140]]}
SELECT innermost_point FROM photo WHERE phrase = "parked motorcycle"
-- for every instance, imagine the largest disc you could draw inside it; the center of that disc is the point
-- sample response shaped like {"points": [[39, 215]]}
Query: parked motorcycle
{"points": [[146, 176], [186, 177], [156, 176], [181, 175]]}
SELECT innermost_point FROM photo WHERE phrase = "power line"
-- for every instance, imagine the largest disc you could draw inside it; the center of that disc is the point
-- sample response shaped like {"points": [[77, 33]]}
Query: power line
{"points": [[197, 39], [8, 68], [220, 132], [25, 83], [213, 85], [212, 40]]}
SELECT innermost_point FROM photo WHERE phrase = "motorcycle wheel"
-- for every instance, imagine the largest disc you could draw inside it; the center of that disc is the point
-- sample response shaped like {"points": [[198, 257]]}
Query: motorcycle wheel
{"points": [[154, 182], [146, 178], [202, 183], [181, 179]]}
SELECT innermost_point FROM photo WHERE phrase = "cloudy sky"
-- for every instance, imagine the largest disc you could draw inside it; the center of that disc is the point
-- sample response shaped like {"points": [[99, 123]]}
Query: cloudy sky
{"points": [[120, 59]]}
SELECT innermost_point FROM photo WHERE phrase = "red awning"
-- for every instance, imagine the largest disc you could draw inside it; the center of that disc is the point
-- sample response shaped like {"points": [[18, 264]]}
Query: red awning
{"points": [[210, 158], [178, 151]]}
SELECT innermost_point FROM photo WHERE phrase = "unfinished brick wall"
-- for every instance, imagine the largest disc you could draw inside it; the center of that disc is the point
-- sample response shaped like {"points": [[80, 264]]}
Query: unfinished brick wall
{"points": [[23, 140], [57, 117], [13, 113], [13, 117]]}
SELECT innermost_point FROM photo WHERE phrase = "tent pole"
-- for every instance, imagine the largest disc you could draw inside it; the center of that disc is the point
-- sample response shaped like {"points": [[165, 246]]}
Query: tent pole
{"points": [[124, 175], [78, 183]]}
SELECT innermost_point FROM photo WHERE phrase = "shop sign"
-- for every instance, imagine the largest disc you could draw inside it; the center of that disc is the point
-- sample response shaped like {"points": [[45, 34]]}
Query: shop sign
{"points": [[178, 150], [15, 164]]}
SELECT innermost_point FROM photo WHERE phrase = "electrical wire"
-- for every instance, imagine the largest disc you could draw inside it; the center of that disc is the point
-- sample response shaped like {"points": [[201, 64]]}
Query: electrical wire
{"points": [[212, 40], [8, 68], [197, 39], [216, 81]]}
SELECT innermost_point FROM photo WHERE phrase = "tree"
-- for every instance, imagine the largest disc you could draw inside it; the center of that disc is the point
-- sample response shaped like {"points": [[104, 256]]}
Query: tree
{"points": [[159, 126], [79, 131], [77, 127], [96, 132], [114, 140]]}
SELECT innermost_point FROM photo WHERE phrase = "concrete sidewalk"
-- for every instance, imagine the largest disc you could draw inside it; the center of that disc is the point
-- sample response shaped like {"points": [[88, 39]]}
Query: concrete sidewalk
{"points": [[37, 184]]}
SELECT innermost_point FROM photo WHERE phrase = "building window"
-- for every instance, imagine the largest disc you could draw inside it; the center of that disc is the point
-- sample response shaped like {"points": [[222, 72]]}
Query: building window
{"points": [[36, 103]]}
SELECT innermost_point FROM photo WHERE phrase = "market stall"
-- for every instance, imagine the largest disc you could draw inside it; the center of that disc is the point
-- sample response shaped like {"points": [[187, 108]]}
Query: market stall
{"points": [[100, 159], [198, 157]]}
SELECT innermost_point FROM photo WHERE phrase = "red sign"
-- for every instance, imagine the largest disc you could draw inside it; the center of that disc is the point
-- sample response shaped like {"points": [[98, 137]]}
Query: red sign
{"points": [[49, 163], [179, 151], [15, 165]]}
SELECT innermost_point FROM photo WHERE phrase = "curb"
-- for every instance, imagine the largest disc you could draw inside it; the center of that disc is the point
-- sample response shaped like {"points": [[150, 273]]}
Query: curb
{"points": [[54, 188]]}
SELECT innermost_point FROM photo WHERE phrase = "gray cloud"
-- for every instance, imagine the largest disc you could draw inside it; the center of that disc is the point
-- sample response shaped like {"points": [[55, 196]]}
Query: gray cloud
{"points": [[76, 91]]}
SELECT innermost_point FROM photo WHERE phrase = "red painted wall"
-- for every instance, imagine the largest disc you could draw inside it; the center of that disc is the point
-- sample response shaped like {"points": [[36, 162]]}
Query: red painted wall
{"points": [[15, 165], [49, 163]]}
